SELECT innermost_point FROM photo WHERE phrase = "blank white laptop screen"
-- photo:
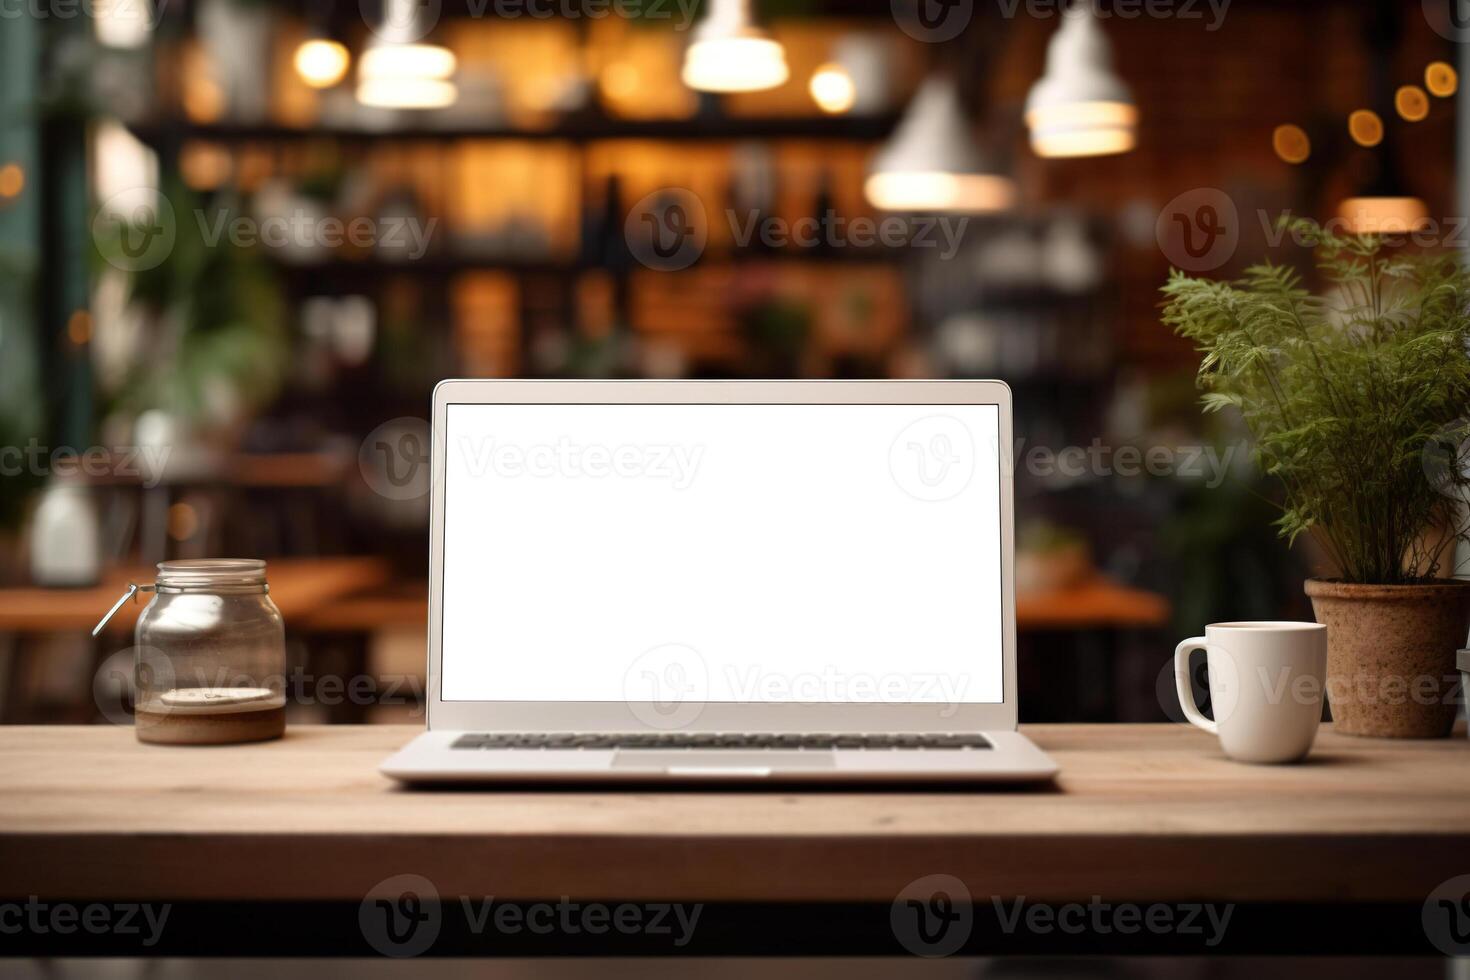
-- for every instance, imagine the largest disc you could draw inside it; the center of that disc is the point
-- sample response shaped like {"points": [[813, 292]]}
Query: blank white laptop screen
{"points": [[833, 553]]}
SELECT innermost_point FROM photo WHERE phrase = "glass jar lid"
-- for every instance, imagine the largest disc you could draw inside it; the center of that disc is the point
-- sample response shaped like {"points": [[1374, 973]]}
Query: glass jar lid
{"points": [[212, 575]]}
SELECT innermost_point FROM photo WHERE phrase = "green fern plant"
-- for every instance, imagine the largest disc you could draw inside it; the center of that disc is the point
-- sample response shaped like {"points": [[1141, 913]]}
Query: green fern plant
{"points": [[1357, 399]]}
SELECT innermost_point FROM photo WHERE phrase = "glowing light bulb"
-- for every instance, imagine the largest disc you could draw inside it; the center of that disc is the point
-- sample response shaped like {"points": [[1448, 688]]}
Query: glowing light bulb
{"points": [[321, 63], [406, 76], [735, 64], [832, 89]]}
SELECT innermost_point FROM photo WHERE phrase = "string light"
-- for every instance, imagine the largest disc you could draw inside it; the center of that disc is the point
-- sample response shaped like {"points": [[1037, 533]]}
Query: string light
{"points": [[1411, 103], [1291, 143], [1365, 127], [1441, 79]]}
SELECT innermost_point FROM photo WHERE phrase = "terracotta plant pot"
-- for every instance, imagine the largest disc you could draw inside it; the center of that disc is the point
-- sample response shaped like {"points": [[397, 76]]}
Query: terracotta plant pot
{"points": [[1391, 655]]}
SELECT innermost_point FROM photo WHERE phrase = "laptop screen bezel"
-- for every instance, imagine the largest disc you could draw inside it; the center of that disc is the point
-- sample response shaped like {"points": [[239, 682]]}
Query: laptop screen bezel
{"points": [[534, 716]]}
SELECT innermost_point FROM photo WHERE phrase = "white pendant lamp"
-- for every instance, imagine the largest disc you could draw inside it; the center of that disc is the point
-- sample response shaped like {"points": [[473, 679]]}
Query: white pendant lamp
{"points": [[931, 163], [729, 53], [1079, 107], [399, 70]]}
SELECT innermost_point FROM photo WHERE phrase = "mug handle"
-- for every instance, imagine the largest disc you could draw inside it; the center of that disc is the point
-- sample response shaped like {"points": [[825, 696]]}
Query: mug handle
{"points": [[1185, 688]]}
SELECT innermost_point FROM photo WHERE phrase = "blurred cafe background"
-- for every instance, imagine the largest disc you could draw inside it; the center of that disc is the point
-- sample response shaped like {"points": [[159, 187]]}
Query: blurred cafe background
{"points": [[241, 240]]}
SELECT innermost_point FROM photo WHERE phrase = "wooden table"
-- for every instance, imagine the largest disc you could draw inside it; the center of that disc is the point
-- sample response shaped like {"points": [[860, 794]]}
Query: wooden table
{"points": [[1141, 813]]}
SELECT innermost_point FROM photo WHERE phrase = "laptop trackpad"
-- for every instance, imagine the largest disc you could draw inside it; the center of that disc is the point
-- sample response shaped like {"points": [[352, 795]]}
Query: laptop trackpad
{"points": [[695, 761]]}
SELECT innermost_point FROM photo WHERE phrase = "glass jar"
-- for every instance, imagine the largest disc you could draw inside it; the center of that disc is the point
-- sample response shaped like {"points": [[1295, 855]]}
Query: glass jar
{"points": [[211, 656]]}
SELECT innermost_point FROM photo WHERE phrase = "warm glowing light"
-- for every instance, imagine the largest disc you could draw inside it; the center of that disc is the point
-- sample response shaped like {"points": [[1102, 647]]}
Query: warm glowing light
{"points": [[620, 80], [832, 89], [321, 63], [1083, 129], [406, 76], [203, 99], [1441, 79], [12, 180], [122, 23], [1291, 143], [1365, 127], [1383, 215], [1411, 103], [204, 166], [407, 61], [735, 64], [938, 191], [79, 327], [183, 522]]}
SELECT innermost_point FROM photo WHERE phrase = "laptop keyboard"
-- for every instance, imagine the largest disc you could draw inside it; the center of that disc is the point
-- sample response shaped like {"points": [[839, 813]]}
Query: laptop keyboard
{"points": [[666, 741]]}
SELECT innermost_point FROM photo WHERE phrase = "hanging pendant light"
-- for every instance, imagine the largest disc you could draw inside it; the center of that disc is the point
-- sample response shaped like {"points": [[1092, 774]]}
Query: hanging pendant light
{"points": [[1079, 107], [1383, 204], [729, 53], [932, 164], [401, 71]]}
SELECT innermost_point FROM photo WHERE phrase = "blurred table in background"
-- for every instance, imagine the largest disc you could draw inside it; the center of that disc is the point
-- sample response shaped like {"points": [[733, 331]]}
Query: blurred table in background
{"points": [[297, 585]]}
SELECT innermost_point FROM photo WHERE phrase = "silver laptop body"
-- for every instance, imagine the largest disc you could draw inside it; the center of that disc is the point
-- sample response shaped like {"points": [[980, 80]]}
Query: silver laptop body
{"points": [[691, 581]]}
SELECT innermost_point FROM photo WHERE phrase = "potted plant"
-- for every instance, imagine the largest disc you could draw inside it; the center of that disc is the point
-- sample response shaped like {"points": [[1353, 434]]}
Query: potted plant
{"points": [[1355, 401]]}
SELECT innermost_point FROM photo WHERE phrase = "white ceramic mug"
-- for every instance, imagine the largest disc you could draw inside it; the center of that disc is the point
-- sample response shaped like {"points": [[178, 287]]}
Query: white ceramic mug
{"points": [[1266, 682]]}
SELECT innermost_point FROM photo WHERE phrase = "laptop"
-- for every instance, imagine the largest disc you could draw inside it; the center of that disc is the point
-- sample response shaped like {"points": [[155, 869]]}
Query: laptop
{"points": [[754, 582]]}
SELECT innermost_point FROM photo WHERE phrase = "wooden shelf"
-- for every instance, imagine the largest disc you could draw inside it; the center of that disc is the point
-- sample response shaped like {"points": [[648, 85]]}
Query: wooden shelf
{"points": [[299, 586], [576, 129], [1097, 604]]}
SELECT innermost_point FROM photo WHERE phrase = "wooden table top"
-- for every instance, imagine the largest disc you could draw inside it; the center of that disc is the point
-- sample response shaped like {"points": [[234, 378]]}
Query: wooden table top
{"points": [[298, 585], [1141, 812]]}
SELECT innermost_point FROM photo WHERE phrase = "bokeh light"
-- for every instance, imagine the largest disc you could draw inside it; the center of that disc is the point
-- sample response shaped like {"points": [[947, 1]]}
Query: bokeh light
{"points": [[1365, 127], [1291, 143]]}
